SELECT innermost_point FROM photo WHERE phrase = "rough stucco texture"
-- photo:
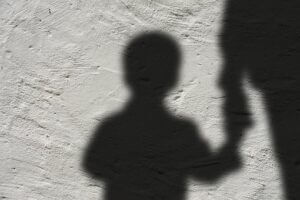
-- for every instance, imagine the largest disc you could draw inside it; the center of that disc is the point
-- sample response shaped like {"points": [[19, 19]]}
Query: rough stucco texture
{"points": [[61, 74]]}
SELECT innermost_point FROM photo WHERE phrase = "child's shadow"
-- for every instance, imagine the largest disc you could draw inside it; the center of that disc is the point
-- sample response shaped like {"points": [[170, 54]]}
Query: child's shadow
{"points": [[144, 152]]}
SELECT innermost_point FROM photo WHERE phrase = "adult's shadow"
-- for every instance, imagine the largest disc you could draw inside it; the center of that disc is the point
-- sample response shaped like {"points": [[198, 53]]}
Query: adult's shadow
{"points": [[143, 151], [261, 39]]}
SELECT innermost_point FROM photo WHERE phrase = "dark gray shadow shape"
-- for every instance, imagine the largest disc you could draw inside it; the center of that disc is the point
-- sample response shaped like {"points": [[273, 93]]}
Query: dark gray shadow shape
{"points": [[261, 39], [143, 151]]}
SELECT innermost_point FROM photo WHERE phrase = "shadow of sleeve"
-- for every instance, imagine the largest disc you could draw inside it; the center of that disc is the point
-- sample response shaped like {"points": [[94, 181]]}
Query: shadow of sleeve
{"points": [[100, 154]]}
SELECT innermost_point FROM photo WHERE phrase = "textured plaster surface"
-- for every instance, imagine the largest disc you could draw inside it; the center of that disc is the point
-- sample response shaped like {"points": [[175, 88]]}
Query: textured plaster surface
{"points": [[61, 74]]}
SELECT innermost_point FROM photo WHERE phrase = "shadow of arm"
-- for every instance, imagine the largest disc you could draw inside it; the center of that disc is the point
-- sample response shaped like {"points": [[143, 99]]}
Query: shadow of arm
{"points": [[208, 166], [235, 107], [215, 167]]}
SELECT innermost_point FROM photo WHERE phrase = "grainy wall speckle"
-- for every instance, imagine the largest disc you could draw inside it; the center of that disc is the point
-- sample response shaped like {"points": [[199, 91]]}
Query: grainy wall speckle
{"points": [[61, 74]]}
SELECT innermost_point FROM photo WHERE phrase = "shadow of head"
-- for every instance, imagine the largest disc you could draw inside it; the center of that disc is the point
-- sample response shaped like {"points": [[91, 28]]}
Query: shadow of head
{"points": [[151, 63]]}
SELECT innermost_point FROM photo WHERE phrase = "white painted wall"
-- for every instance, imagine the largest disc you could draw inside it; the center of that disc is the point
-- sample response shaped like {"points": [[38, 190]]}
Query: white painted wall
{"points": [[61, 74]]}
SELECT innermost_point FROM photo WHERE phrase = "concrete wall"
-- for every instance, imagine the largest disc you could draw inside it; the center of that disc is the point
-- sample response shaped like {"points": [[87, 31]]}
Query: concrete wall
{"points": [[61, 74]]}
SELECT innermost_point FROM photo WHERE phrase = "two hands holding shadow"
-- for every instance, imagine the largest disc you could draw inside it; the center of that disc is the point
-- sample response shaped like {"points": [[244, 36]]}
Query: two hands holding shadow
{"points": [[145, 152]]}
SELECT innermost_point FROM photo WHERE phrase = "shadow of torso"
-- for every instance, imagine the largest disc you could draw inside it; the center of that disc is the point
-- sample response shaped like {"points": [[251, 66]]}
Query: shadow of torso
{"points": [[262, 37], [145, 153]]}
